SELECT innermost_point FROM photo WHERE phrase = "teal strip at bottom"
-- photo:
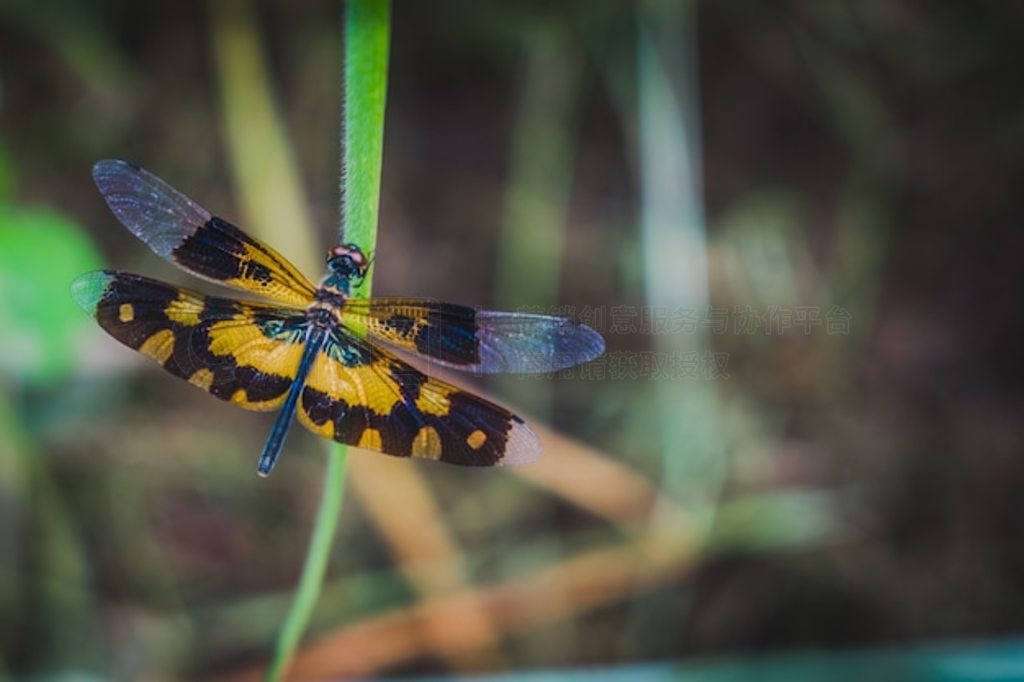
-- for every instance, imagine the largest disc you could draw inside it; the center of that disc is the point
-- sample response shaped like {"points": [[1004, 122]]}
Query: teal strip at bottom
{"points": [[950, 661]]}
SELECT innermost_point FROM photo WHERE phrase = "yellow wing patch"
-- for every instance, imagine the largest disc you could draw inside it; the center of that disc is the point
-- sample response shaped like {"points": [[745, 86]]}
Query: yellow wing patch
{"points": [[245, 342], [203, 378], [263, 271], [159, 346], [476, 439], [184, 310], [370, 440], [372, 386], [427, 444]]}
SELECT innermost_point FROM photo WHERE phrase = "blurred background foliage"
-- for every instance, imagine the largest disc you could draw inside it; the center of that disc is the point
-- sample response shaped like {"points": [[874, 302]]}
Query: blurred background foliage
{"points": [[757, 163]]}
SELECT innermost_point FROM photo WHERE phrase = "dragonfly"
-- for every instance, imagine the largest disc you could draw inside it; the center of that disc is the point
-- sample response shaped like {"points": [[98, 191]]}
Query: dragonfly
{"points": [[337, 363]]}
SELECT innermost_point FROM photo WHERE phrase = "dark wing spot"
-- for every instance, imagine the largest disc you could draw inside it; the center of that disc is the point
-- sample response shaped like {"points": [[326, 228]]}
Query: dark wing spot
{"points": [[257, 272], [409, 380], [450, 335], [149, 300], [260, 386], [401, 324], [209, 253], [321, 408]]}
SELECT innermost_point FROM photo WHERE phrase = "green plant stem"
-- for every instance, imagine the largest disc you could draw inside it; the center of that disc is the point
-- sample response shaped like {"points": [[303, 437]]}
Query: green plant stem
{"points": [[308, 591], [367, 36]]}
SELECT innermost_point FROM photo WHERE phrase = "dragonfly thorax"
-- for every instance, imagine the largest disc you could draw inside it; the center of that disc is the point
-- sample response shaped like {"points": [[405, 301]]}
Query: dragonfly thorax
{"points": [[323, 317]]}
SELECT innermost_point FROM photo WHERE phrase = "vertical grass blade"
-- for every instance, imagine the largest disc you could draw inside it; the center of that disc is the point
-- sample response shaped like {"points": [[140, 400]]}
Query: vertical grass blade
{"points": [[262, 162], [674, 244], [534, 230]]}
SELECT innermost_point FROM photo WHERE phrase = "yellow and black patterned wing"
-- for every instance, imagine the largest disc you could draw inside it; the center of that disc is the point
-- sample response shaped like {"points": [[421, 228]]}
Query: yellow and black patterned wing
{"points": [[361, 395], [481, 341], [246, 353], [183, 232]]}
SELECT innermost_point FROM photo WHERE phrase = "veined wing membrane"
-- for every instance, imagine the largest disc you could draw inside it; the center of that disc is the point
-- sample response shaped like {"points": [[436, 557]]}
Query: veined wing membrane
{"points": [[480, 341], [183, 232], [246, 353]]}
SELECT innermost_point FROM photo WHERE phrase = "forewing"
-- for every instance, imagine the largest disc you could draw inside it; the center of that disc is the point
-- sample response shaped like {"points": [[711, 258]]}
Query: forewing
{"points": [[363, 396], [246, 353], [186, 234], [481, 341]]}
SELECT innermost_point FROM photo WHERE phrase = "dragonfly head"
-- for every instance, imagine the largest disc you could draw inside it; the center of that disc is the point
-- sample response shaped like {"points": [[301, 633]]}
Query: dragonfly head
{"points": [[347, 263]]}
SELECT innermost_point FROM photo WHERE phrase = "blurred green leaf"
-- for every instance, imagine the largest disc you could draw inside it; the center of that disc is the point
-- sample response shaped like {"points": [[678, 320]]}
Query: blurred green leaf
{"points": [[762, 248], [775, 519], [41, 251]]}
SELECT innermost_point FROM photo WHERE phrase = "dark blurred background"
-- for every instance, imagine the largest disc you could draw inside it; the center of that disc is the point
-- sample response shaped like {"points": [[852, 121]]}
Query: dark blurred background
{"points": [[794, 222]]}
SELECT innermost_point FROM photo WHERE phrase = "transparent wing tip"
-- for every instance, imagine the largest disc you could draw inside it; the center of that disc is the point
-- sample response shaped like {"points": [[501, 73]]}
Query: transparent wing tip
{"points": [[522, 446], [572, 343], [589, 341], [105, 168], [88, 289]]}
